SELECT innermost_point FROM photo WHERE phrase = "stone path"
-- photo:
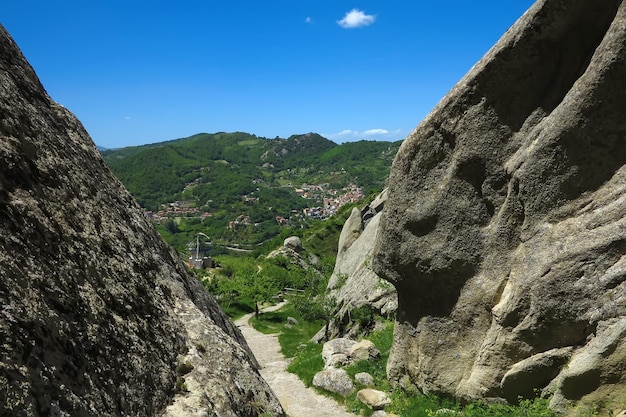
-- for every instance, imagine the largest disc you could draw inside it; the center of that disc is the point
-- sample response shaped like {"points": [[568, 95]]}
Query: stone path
{"points": [[297, 400]]}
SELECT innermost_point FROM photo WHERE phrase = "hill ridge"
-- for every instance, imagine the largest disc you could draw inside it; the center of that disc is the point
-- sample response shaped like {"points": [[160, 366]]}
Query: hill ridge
{"points": [[254, 184]]}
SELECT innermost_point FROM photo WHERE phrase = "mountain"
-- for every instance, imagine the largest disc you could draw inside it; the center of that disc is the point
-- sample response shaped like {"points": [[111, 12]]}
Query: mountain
{"points": [[98, 316], [247, 188], [504, 230]]}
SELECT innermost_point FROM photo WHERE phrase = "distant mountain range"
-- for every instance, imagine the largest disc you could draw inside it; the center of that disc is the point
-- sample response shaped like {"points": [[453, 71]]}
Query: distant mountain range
{"points": [[239, 178]]}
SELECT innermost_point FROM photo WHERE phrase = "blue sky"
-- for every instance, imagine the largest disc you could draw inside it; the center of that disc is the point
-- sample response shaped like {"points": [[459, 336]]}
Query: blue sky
{"points": [[140, 71]]}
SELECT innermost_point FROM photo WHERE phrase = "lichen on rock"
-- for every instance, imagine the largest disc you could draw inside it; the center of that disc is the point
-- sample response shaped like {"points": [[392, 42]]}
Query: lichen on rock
{"points": [[504, 229], [96, 310]]}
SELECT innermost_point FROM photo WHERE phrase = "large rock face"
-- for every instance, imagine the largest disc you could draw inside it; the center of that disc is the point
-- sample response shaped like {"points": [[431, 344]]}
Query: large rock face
{"points": [[504, 231], [98, 317], [353, 283]]}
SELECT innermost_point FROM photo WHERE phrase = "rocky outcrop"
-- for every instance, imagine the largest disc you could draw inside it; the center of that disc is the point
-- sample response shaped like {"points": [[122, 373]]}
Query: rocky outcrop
{"points": [[98, 316], [294, 252], [353, 283], [504, 230]]}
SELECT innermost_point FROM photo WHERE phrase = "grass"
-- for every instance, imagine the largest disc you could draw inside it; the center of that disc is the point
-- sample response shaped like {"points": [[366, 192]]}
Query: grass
{"points": [[308, 361], [291, 338], [377, 368], [236, 309]]}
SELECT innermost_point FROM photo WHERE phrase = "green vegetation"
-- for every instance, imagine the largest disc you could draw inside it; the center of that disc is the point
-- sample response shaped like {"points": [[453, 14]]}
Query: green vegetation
{"points": [[405, 403], [243, 283], [240, 188], [291, 337], [245, 184]]}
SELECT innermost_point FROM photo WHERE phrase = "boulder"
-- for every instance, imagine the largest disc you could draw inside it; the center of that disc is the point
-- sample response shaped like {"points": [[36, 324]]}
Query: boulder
{"points": [[334, 380], [532, 372], [364, 351], [505, 221], [294, 243], [353, 284], [365, 379], [294, 252], [336, 352], [374, 399], [97, 312]]}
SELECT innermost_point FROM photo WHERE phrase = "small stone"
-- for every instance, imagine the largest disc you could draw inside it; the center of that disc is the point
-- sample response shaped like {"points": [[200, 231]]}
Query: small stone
{"points": [[336, 351], [374, 399], [365, 379], [364, 350], [381, 413], [334, 380], [292, 321]]}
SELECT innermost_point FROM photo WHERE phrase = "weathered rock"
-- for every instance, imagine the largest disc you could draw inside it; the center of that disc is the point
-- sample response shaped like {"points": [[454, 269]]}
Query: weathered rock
{"points": [[374, 399], [294, 243], [364, 351], [292, 321], [505, 225], [293, 251], [353, 283], [336, 352], [382, 413], [334, 380], [533, 372], [365, 379], [96, 311]]}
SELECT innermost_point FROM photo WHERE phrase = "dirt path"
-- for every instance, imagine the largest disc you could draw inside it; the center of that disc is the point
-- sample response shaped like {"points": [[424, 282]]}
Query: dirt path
{"points": [[297, 400]]}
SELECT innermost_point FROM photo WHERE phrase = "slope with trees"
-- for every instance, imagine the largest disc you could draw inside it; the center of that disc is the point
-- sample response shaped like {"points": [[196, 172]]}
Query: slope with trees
{"points": [[240, 188]]}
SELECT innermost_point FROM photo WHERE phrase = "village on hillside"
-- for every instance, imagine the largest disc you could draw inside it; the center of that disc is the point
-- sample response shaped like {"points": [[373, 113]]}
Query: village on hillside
{"points": [[328, 201]]}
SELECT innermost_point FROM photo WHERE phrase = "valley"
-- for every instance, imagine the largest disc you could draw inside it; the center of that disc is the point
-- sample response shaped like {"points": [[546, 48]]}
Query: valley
{"points": [[241, 189]]}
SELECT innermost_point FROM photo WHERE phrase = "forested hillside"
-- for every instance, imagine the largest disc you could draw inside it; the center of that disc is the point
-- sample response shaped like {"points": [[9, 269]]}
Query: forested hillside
{"points": [[240, 188]]}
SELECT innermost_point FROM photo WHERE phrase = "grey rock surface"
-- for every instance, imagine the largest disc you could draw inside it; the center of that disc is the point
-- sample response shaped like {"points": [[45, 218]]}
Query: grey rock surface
{"points": [[373, 398], [97, 313], [504, 231], [365, 379], [334, 380], [336, 352], [364, 350], [293, 251], [353, 283]]}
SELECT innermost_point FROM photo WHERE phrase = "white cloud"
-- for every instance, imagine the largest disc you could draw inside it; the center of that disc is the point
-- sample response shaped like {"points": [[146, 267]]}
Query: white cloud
{"points": [[375, 132], [126, 117], [308, 19], [347, 135], [347, 132], [356, 18]]}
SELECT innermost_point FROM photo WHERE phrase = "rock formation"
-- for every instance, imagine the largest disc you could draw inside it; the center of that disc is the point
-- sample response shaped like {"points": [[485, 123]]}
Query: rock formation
{"points": [[353, 283], [504, 230], [98, 316], [293, 251]]}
